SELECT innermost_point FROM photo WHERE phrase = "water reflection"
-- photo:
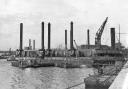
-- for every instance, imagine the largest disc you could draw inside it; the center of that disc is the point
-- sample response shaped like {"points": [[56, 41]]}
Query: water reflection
{"points": [[41, 78]]}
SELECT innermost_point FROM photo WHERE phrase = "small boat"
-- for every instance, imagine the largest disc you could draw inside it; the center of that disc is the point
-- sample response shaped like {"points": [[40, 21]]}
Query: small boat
{"points": [[98, 82], [29, 58], [103, 77], [21, 63], [11, 58]]}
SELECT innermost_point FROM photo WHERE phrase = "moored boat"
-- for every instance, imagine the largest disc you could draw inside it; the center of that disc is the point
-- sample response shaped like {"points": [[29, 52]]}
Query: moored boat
{"points": [[98, 82]]}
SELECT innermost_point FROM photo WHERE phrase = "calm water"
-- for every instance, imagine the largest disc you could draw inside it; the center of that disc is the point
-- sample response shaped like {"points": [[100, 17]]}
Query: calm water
{"points": [[40, 78]]}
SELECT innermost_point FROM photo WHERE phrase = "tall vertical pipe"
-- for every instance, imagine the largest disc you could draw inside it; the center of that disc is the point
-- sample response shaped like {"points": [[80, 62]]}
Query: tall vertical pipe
{"points": [[88, 37], [33, 44], [21, 38], [30, 47], [70, 40], [113, 38], [71, 35], [66, 39], [42, 37], [49, 35], [119, 33]]}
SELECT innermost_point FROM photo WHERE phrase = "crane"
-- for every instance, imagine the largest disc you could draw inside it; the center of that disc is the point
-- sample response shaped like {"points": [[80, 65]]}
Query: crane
{"points": [[99, 33], [76, 45], [77, 54]]}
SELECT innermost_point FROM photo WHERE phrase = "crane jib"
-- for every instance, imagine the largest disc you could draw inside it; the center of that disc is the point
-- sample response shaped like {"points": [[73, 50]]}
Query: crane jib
{"points": [[99, 33]]}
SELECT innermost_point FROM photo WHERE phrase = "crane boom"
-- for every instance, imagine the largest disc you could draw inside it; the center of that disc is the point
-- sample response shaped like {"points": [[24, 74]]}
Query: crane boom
{"points": [[77, 54], [99, 33], [76, 45]]}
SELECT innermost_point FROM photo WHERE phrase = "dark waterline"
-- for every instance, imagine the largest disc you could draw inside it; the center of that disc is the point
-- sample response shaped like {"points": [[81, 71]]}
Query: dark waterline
{"points": [[40, 78]]}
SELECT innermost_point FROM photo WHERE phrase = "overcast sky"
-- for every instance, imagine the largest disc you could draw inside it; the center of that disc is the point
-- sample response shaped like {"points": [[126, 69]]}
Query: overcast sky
{"points": [[86, 14]]}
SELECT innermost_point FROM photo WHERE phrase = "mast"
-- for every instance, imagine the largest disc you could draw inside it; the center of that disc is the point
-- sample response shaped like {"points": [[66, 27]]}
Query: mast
{"points": [[119, 33], [119, 37]]}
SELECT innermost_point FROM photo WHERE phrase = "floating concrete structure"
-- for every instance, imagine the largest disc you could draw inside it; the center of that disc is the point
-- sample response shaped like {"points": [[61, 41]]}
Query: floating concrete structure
{"points": [[60, 53], [25, 62]]}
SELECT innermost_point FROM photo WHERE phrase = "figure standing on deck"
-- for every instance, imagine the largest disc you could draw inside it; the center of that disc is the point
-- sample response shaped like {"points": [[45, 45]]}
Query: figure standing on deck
{"points": [[100, 70]]}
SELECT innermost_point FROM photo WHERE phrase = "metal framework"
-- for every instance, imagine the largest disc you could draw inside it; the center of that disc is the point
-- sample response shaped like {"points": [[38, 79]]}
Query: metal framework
{"points": [[99, 33]]}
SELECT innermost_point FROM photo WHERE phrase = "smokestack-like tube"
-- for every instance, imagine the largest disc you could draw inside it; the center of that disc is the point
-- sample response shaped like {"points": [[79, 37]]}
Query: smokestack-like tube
{"points": [[65, 39], [88, 37], [33, 44], [70, 40], [49, 36], [30, 47], [21, 38], [113, 38], [42, 38], [71, 36]]}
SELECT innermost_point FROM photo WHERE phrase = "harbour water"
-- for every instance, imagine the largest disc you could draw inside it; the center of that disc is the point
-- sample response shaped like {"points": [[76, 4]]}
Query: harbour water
{"points": [[41, 78]]}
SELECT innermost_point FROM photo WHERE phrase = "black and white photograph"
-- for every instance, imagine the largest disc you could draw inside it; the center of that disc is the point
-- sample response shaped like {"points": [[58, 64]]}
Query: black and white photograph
{"points": [[63, 44]]}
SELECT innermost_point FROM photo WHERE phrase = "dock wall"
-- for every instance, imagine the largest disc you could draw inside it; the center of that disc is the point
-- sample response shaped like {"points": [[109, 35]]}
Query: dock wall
{"points": [[121, 81]]}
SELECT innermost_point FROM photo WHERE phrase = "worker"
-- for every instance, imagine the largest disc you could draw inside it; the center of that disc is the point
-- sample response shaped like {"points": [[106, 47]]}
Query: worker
{"points": [[100, 70]]}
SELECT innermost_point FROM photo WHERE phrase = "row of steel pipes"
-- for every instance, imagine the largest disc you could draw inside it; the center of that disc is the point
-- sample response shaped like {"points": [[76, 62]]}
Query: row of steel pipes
{"points": [[49, 37]]}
